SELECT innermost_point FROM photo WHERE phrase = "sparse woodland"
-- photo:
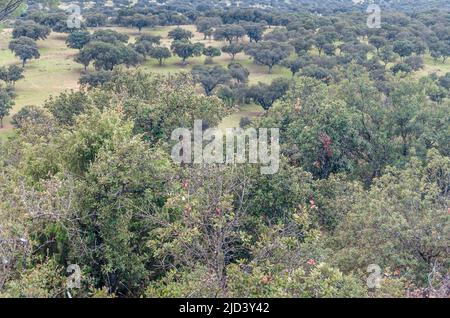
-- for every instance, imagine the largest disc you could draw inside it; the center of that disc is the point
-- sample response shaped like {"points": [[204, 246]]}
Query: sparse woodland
{"points": [[87, 178]]}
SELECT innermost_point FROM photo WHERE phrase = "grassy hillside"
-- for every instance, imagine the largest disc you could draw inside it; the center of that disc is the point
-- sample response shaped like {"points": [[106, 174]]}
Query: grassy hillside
{"points": [[56, 71]]}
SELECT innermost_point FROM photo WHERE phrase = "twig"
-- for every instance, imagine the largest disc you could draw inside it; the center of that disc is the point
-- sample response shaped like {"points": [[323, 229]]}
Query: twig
{"points": [[9, 8]]}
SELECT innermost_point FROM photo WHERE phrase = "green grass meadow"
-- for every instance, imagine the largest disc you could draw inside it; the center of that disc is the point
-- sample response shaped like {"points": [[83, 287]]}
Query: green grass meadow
{"points": [[56, 71]]}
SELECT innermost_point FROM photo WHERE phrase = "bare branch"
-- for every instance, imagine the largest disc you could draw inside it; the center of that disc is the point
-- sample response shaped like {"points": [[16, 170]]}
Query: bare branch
{"points": [[9, 8]]}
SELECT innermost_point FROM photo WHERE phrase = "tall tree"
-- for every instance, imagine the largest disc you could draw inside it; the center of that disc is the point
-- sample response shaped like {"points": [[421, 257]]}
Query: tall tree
{"points": [[403, 48], [269, 53], [233, 49], [179, 34], [186, 49], [206, 25], [254, 31], [30, 29], [294, 65], [78, 39], [238, 72], [24, 48], [210, 52], [210, 77], [266, 95], [141, 21], [6, 102], [11, 74]]}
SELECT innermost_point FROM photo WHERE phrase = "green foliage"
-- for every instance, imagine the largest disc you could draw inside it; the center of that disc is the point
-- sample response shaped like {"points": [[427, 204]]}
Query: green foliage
{"points": [[66, 106], [24, 48], [179, 34], [403, 48], [322, 281], [125, 178], [145, 45], [294, 65], [78, 39], [157, 105], [96, 19], [269, 53], [44, 280], [211, 52], [254, 31], [95, 79], [229, 32], [233, 48], [238, 72], [30, 115], [140, 21], [31, 30], [363, 175], [160, 53], [109, 36], [11, 74], [205, 25], [266, 95], [6, 102], [185, 49], [210, 77], [401, 222]]}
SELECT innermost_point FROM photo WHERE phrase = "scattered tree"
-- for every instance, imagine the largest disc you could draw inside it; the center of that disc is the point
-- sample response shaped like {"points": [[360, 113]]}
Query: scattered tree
{"points": [[11, 74], [269, 53], [179, 34], [210, 52], [233, 49], [78, 39], [210, 77], [31, 30], [6, 102]]}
